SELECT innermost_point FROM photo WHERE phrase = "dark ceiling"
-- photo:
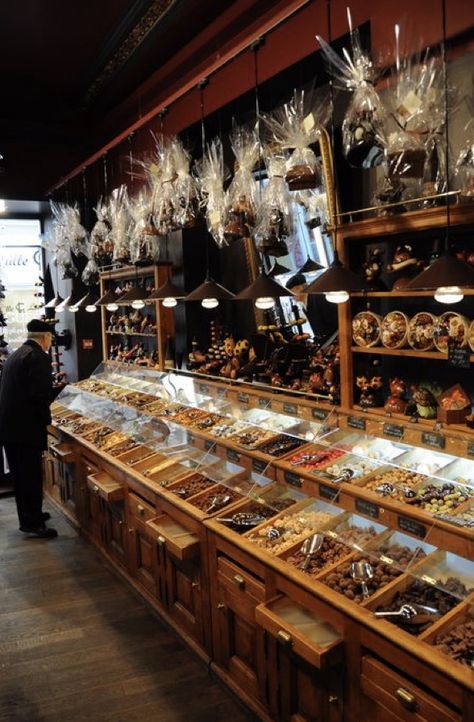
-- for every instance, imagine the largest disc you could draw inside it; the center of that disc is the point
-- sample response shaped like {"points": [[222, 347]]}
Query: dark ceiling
{"points": [[65, 65]]}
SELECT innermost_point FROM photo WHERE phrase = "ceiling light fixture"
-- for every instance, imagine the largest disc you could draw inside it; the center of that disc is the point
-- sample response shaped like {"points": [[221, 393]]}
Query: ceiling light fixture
{"points": [[263, 291], [336, 282]]}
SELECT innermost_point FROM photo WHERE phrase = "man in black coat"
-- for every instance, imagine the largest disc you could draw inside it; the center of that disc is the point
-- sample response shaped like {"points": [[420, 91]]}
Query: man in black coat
{"points": [[25, 396]]}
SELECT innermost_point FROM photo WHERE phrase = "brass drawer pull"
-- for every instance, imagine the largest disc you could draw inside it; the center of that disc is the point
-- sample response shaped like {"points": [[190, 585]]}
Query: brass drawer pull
{"points": [[284, 638], [406, 699], [95, 488], [239, 581], [194, 585], [161, 540], [140, 509], [221, 606]]}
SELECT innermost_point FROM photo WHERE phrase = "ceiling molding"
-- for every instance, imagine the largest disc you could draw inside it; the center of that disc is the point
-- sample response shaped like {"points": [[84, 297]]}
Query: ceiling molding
{"points": [[134, 38]]}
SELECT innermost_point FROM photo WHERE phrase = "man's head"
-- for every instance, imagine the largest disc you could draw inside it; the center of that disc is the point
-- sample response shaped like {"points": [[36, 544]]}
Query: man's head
{"points": [[40, 332]]}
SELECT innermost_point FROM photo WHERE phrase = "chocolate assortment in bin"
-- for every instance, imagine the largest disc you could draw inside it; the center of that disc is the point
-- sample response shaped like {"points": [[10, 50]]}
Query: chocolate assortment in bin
{"points": [[192, 485], [283, 444], [215, 499], [330, 552], [360, 578], [458, 642], [255, 514], [423, 596]]}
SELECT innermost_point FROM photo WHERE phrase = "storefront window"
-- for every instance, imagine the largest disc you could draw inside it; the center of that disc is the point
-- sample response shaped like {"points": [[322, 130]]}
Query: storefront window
{"points": [[21, 267]]}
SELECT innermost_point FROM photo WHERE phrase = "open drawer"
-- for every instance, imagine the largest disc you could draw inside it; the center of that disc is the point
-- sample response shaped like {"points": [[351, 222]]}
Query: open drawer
{"points": [[63, 452], [179, 542], [105, 486], [301, 630]]}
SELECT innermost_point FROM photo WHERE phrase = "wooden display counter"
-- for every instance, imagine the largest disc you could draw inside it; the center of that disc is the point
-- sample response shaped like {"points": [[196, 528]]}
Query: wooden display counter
{"points": [[290, 645]]}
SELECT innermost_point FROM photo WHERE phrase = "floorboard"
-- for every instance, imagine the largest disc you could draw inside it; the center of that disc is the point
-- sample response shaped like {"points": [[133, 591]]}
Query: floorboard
{"points": [[77, 644]]}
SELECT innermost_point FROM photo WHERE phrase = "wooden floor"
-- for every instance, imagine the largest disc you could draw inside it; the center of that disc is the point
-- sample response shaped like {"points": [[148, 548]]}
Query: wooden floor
{"points": [[77, 644]]}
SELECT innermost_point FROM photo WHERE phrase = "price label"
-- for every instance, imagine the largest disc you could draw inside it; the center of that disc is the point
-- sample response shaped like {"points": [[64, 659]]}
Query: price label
{"points": [[437, 441], [355, 422], [367, 508], [412, 526], [222, 393], [243, 398], [429, 580], [319, 414], [259, 465], [331, 533], [293, 479], [208, 444], [203, 389], [470, 448], [233, 455], [386, 560], [394, 430], [308, 123], [327, 492], [264, 403], [215, 218], [458, 357], [290, 409]]}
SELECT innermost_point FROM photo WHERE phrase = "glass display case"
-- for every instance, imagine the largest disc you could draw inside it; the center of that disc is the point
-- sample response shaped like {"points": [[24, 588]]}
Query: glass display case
{"points": [[142, 419]]}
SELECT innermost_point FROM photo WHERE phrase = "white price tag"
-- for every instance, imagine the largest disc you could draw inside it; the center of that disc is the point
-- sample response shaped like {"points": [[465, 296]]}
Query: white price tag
{"points": [[214, 218], [153, 168], [410, 104], [308, 122]]}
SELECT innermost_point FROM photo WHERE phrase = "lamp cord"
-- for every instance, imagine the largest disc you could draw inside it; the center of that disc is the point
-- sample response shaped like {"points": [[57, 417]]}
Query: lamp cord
{"points": [[333, 136], [446, 123]]}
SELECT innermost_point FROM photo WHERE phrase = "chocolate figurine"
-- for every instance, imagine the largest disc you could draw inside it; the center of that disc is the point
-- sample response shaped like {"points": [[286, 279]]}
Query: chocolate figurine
{"points": [[369, 391], [396, 403]]}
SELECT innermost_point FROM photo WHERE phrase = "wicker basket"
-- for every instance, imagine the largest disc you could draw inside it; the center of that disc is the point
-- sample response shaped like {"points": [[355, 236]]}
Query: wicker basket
{"points": [[421, 331], [366, 327], [451, 327], [394, 330]]}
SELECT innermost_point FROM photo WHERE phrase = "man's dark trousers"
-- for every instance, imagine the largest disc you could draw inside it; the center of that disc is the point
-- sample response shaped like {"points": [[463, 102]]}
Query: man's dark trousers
{"points": [[26, 472]]}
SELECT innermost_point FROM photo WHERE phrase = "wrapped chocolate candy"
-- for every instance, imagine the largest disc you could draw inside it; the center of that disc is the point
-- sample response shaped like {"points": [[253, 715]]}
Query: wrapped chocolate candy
{"points": [[101, 242], [363, 134], [163, 188], [241, 196], [211, 174], [144, 235], [185, 188], [464, 169], [119, 218], [296, 126], [275, 215]]}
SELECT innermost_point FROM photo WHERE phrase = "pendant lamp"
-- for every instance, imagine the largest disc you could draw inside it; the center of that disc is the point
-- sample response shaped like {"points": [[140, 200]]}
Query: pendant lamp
{"points": [[88, 302], [135, 297], [209, 293], [168, 294], [336, 282], [55, 302], [310, 266], [278, 269], [264, 290]]}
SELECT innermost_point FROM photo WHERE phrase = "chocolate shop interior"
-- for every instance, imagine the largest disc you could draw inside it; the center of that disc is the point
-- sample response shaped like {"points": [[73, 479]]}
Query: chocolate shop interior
{"points": [[257, 255]]}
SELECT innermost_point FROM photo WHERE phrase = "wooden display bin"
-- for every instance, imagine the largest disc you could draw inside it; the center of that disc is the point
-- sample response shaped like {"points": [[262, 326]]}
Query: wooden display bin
{"points": [[103, 485]]}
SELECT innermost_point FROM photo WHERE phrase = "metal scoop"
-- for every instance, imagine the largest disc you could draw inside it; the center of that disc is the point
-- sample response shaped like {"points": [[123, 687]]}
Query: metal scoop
{"points": [[274, 533], [310, 547], [217, 501], [362, 572], [411, 613], [243, 519], [345, 475]]}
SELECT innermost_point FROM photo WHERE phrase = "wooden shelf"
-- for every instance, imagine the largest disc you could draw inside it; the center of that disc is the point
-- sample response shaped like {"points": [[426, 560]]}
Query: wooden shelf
{"points": [[382, 351], [425, 219], [402, 294], [127, 333]]}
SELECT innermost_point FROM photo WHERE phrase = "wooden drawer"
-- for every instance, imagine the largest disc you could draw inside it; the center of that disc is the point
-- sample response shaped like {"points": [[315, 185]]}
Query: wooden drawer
{"points": [[102, 484], [237, 580], [178, 541], [301, 630], [62, 452], [140, 509], [397, 694]]}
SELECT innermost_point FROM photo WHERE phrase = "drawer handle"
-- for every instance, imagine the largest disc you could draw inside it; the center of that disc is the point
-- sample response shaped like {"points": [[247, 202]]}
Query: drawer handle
{"points": [[95, 488], [161, 540], [239, 581], [194, 585], [284, 638], [406, 699], [220, 606], [140, 509]]}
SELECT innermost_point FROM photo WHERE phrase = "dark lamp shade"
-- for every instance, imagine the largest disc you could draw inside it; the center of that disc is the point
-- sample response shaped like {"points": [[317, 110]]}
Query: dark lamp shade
{"points": [[209, 289], [445, 271], [136, 293], [263, 287], [54, 301], [337, 278], [90, 299], [108, 297], [310, 266], [167, 290], [278, 269]]}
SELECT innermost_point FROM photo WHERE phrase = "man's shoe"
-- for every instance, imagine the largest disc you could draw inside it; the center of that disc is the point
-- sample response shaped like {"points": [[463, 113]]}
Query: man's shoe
{"points": [[45, 515], [41, 532]]}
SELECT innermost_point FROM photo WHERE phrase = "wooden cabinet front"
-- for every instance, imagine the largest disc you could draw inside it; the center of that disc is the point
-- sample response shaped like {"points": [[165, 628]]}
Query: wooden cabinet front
{"points": [[115, 531], [240, 646], [184, 594]]}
